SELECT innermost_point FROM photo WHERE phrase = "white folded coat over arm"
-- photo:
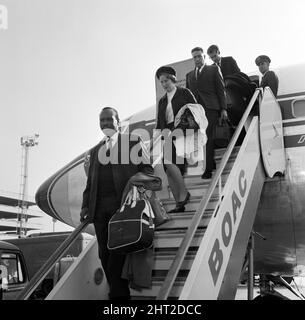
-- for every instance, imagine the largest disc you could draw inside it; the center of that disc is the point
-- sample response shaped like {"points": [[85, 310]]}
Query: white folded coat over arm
{"points": [[191, 145]]}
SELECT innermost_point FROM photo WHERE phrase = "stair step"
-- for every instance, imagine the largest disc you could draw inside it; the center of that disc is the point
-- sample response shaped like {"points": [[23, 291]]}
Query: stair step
{"points": [[196, 178], [162, 263], [198, 187], [229, 164], [198, 168], [152, 292], [220, 152], [194, 190], [192, 205], [173, 238], [183, 220], [204, 184], [164, 259]]}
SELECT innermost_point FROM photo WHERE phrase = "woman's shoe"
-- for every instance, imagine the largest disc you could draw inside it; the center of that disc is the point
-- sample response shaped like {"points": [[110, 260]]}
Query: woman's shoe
{"points": [[186, 200], [178, 208]]}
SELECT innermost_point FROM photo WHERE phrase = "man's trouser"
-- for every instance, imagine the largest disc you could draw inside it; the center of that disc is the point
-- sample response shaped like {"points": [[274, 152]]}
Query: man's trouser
{"points": [[112, 263], [212, 116]]}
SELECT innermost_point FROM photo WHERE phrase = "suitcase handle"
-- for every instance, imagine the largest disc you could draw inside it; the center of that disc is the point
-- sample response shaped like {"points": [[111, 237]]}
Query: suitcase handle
{"points": [[132, 197]]}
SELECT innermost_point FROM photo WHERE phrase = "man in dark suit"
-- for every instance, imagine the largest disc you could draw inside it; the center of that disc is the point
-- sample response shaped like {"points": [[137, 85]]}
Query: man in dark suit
{"points": [[269, 78], [112, 163], [227, 65], [208, 88]]}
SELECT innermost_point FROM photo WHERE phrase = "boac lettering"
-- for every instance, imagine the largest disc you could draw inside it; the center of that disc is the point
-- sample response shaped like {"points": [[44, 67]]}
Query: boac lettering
{"points": [[216, 256], [235, 204], [215, 261], [242, 189], [226, 221]]}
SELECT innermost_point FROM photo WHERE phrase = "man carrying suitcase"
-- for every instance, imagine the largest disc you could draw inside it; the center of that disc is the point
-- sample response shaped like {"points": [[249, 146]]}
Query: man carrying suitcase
{"points": [[109, 172]]}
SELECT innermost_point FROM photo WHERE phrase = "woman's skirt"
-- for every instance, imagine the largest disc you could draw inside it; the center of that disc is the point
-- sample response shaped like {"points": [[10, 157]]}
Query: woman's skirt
{"points": [[170, 157]]}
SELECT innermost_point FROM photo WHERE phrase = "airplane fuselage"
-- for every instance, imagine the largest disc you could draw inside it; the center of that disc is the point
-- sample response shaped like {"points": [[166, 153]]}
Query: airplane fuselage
{"points": [[281, 212]]}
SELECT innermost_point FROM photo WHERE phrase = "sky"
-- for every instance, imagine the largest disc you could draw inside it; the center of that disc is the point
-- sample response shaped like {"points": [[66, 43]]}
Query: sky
{"points": [[61, 61]]}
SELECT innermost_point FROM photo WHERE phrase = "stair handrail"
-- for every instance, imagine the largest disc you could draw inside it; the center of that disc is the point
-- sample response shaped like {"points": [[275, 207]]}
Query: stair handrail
{"points": [[153, 143], [186, 241], [49, 264]]}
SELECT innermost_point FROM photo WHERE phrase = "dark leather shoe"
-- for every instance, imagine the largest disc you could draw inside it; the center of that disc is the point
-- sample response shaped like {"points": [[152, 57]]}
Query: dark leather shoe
{"points": [[207, 174], [178, 208], [186, 200]]}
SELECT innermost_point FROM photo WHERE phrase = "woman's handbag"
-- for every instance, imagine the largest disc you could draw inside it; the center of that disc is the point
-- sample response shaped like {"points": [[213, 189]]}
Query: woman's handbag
{"points": [[223, 132], [131, 228]]}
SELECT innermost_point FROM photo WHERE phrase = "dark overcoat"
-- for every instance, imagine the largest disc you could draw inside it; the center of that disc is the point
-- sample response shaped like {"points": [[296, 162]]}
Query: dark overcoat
{"points": [[122, 170]]}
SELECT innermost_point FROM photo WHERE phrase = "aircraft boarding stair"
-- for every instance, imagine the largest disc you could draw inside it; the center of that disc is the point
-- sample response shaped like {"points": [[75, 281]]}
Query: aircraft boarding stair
{"points": [[199, 253]]}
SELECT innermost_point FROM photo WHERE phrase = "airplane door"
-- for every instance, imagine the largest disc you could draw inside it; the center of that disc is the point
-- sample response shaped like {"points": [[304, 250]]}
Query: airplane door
{"points": [[271, 135]]}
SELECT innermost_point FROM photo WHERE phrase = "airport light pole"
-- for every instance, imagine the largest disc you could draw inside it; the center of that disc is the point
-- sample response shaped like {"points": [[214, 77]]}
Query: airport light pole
{"points": [[54, 221], [27, 142]]}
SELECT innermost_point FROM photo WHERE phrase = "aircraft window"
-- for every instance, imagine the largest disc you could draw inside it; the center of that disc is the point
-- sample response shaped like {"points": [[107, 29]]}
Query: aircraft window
{"points": [[298, 108], [12, 263]]}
